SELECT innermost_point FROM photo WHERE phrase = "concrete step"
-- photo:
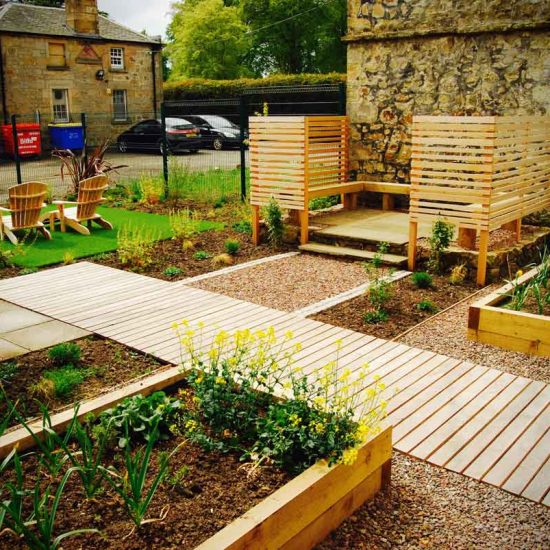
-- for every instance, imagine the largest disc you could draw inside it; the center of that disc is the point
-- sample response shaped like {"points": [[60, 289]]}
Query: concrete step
{"points": [[326, 236], [346, 252]]}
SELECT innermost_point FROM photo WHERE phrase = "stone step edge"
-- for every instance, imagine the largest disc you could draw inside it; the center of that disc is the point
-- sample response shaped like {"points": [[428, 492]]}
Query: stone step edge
{"points": [[389, 259]]}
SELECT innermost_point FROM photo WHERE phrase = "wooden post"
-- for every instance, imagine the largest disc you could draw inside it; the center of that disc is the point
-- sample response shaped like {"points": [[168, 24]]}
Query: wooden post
{"points": [[388, 201], [467, 238], [413, 235], [514, 226], [304, 226], [294, 217], [255, 224], [482, 258]]}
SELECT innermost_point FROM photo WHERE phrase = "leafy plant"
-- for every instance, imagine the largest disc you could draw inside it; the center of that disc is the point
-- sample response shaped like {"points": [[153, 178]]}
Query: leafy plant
{"points": [[183, 224], [176, 478], [82, 167], [66, 379], [378, 258], [320, 203], [458, 274], [379, 293], [151, 189], [68, 353], [421, 279], [8, 370], [222, 259], [201, 255], [440, 239], [426, 305], [243, 226], [135, 247], [314, 420], [138, 415], [131, 485], [274, 223], [172, 271], [221, 202], [376, 316], [232, 246]]}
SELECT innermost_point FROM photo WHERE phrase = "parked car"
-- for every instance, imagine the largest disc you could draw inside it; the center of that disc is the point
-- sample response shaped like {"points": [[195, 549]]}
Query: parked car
{"points": [[181, 135], [221, 133]]}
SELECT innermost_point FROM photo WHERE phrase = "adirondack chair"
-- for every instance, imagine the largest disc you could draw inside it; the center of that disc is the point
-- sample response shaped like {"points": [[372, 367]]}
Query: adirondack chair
{"points": [[26, 201], [90, 196]]}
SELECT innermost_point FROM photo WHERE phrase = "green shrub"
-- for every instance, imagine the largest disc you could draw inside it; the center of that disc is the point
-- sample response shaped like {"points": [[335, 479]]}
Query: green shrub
{"points": [[320, 203], [427, 305], [67, 353], [221, 202], [244, 226], [8, 370], [378, 258], [135, 246], [201, 255], [274, 223], [172, 271], [376, 316], [232, 246], [66, 379], [458, 274], [140, 415], [421, 279], [440, 239], [183, 224]]}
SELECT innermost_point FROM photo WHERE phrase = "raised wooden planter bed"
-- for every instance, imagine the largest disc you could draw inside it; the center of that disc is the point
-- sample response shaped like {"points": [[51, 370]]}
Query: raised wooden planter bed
{"points": [[297, 516], [490, 323]]}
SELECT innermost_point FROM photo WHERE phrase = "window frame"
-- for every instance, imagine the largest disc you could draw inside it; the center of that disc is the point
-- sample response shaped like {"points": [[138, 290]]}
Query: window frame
{"points": [[67, 117], [117, 66], [50, 58], [124, 103]]}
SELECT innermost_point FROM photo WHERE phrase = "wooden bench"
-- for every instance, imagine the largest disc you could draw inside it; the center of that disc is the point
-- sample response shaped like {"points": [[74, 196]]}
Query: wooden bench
{"points": [[388, 191]]}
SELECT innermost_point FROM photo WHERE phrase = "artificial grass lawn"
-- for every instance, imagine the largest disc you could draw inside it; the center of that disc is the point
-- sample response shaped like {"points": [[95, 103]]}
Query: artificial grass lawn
{"points": [[40, 252]]}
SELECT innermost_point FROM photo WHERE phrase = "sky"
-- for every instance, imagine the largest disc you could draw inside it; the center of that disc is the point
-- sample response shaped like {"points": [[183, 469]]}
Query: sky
{"points": [[138, 15]]}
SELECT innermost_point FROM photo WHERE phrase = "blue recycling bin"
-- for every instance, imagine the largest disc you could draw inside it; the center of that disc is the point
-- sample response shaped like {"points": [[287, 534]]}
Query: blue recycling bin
{"points": [[67, 136]]}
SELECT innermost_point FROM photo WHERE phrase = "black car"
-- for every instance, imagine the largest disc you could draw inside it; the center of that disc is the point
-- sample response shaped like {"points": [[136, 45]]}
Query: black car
{"points": [[221, 133], [181, 135]]}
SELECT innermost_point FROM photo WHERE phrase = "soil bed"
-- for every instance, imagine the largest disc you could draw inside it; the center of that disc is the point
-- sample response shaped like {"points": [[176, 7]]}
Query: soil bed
{"points": [[402, 307], [113, 364], [171, 254], [215, 490]]}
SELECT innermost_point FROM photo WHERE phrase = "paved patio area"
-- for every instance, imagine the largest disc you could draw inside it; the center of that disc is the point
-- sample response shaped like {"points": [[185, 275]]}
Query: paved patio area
{"points": [[477, 421], [23, 330]]}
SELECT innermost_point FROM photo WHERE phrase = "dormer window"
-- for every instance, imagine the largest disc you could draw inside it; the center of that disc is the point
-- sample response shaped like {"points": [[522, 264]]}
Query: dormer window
{"points": [[117, 58]]}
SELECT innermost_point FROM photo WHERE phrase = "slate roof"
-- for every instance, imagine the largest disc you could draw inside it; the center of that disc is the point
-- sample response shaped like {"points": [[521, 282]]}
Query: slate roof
{"points": [[28, 19]]}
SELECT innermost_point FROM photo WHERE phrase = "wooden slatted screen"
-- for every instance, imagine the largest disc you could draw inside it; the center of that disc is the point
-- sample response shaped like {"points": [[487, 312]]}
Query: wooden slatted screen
{"points": [[291, 155], [479, 172]]}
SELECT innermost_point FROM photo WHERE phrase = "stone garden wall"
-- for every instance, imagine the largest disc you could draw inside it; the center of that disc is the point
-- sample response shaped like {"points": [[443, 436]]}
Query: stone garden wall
{"points": [[448, 57]]}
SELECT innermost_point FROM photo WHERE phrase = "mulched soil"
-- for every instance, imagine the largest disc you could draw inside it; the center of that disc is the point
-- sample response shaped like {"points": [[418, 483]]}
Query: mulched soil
{"points": [[216, 489], [9, 272], [171, 254], [402, 310], [113, 362], [429, 507]]}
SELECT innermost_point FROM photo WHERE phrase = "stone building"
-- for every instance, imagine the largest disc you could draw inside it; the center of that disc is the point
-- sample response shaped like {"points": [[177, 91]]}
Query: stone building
{"points": [[450, 57], [60, 62]]}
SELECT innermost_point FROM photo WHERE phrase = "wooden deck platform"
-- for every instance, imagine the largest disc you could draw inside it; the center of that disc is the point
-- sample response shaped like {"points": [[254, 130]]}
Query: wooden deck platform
{"points": [[480, 422]]}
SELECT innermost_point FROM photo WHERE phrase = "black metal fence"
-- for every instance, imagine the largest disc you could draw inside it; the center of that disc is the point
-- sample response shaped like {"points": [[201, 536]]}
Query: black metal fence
{"points": [[198, 146]]}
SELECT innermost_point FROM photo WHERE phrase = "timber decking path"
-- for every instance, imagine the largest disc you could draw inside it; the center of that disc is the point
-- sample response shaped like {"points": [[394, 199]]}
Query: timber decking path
{"points": [[478, 421]]}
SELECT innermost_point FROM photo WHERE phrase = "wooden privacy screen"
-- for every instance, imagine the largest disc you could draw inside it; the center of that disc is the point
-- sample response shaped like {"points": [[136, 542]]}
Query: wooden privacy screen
{"points": [[479, 173], [296, 158]]}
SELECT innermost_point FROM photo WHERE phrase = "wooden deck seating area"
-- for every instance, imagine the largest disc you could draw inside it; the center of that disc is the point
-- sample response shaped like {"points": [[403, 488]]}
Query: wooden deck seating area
{"points": [[481, 422], [25, 205], [479, 173]]}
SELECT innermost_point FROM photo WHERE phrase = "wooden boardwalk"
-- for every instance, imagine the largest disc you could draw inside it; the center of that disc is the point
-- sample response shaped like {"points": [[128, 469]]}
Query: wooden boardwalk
{"points": [[480, 422]]}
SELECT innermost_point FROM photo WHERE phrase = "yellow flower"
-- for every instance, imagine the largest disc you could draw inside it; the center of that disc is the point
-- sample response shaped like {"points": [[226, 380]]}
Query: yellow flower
{"points": [[191, 425], [199, 379], [289, 335], [174, 325], [319, 427], [345, 375], [350, 456], [221, 381], [519, 273], [294, 420], [287, 385]]}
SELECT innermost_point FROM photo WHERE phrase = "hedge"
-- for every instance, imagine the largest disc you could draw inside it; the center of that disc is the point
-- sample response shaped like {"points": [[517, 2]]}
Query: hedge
{"points": [[199, 88]]}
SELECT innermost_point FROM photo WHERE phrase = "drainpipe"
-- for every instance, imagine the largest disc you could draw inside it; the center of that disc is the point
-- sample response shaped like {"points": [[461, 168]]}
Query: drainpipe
{"points": [[3, 86], [154, 74]]}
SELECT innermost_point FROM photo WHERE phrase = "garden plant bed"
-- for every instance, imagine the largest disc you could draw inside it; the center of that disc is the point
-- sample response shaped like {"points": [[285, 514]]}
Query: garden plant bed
{"points": [[215, 490], [113, 364], [402, 310], [490, 322], [169, 253]]}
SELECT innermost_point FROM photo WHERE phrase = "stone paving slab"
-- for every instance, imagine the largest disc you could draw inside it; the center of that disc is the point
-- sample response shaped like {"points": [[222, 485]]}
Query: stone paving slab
{"points": [[15, 319], [9, 350]]}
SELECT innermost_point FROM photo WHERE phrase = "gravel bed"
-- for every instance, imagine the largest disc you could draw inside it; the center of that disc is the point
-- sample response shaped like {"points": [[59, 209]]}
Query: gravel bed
{"points": [[429, 507], [291, 283], [446, 334]]}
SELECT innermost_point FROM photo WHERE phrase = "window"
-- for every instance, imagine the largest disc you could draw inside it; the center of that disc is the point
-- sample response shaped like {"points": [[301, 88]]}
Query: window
{"points": [[117, 58], [120, 105], [56, 55], [60, 102]]}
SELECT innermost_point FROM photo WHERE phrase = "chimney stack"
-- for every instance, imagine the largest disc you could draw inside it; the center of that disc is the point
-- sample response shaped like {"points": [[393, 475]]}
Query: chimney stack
{"points": [[82, 16]]}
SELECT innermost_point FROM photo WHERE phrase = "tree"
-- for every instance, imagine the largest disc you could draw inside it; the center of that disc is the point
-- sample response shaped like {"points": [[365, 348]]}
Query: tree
{"points": [[296, 36], [207, 39]]}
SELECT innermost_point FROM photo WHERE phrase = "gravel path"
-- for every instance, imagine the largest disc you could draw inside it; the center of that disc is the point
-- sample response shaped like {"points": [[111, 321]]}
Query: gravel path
{"points": [[446, 334], [429, 507], [289, 284]]}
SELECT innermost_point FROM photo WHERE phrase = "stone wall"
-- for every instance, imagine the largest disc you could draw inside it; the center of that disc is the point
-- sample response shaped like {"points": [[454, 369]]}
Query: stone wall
{"points": [[30, 81], [449, 57]]}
